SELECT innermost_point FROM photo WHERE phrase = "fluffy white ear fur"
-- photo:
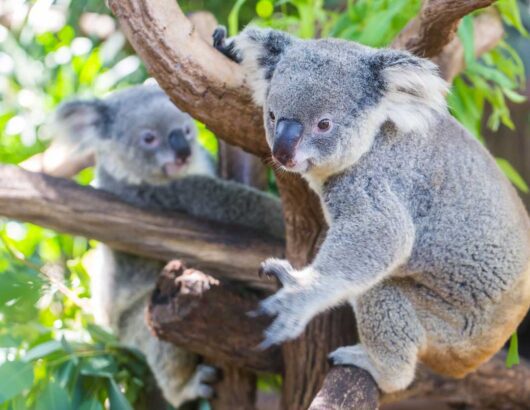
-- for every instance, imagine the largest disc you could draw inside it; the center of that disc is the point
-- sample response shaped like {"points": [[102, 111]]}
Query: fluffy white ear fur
{"points": [[78, 124], [258, 60], [250, 53], [415, 92]]}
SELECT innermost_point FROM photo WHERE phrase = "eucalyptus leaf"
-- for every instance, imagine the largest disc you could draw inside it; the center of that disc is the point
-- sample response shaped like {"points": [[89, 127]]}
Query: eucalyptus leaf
{"points": [[54, 396], [20, 377], [117, 399]]}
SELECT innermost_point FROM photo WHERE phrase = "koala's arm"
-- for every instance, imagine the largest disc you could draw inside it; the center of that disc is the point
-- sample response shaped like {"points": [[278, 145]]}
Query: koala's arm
{"points": [[362, 247], [222, 201]]}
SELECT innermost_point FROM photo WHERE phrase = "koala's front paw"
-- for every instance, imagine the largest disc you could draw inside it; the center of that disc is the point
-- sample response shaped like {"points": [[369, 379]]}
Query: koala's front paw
{"points": [[224, 46], [219, 37], [279, 269], [294, 305]]}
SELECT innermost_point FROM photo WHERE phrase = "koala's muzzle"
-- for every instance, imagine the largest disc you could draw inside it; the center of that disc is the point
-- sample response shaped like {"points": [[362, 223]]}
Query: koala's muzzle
{"points": [[179, 143], [286, 138]]}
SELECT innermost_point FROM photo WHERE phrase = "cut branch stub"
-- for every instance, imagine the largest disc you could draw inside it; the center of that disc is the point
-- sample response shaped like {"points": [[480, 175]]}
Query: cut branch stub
{"points": [[347, 388], [208, 317]]}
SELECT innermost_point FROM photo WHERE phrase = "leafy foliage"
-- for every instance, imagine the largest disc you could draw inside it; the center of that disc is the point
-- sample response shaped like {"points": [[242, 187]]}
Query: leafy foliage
{"points": [[50, 350]]}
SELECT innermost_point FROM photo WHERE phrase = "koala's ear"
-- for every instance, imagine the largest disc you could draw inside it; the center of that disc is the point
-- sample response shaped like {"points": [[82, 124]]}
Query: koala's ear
{"points": [[260, 50], [83, 122], [414, 90]]}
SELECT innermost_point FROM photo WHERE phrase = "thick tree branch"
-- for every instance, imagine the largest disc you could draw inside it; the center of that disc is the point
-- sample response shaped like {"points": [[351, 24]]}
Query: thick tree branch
{"points": [[67, 207], [203, 315], [435, 26], [200, 80]]}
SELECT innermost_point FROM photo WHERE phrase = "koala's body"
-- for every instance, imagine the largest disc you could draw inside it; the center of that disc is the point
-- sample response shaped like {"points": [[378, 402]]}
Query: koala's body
{"points": [[427, 239], [147, 154]]}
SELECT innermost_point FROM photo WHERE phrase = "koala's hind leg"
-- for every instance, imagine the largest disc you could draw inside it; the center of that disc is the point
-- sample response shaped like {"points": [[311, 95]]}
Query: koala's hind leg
{"points": [[177, 372], [391, 337]]}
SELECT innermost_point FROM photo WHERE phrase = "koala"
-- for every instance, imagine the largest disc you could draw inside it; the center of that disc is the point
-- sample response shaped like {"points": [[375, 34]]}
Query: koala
{"points": [[428, 241], [147, 154]]}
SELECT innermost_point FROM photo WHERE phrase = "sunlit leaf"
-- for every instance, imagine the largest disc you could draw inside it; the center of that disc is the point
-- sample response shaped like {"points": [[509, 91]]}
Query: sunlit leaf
{"points": [[512, 358], [116, 398], [512, 175], [53, 397], [20, 376]]}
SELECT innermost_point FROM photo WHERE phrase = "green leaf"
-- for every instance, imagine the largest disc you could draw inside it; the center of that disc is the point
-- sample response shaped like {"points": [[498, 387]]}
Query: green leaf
{"points": [[53, 397], [101, 366], [514, 96], [512, 358], [233, 18], [20, 377], [467, 37], [116, 398], [91, 404], [512, 174], [100, 335], [42, 350], [510, 14]]}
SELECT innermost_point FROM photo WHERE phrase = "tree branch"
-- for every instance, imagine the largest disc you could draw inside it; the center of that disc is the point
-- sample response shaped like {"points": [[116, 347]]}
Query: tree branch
{"points": [[436, 25], [488, 31], [200, 80], [199, 313], [67, 207]]}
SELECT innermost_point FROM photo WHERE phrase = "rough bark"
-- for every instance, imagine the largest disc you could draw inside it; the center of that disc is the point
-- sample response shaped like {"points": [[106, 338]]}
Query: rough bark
{"points": [[491, 387], [347, 388], [436, 25], [201, 314], [238, 165], [67, 207]]}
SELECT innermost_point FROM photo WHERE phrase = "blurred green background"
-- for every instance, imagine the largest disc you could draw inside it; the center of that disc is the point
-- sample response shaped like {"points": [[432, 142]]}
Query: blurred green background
{"points": [[52, 356]]}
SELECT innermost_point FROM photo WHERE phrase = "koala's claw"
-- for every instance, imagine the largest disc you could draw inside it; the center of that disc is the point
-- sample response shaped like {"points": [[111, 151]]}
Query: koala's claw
{"points": [[219, 37], [203, 377], [279, 269]]}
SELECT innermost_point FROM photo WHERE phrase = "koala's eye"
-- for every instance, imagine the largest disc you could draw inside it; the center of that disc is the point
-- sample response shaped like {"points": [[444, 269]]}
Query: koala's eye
{"points": [[149, 139], [271, 116], [187, 130], [324, 125]]}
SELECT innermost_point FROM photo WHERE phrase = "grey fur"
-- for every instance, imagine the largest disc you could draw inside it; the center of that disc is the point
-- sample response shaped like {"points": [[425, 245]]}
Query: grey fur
{"points": [[122, 283], [428, 240]]}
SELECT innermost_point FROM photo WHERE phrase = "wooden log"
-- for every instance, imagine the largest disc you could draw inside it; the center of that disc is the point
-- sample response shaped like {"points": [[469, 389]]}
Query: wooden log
{"points": [[67, 207]]}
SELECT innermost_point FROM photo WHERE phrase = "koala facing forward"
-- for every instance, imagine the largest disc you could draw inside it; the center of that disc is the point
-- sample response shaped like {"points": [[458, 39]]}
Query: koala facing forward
{"points": [[427, 239], [147, 154]]}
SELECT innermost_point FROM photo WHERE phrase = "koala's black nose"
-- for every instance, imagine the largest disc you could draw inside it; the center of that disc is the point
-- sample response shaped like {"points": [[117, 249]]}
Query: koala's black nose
{"points": [[180, 144], [287, 136]]}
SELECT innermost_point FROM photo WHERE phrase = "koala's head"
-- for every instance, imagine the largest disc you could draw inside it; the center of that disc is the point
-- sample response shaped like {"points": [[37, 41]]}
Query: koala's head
{"points": [[138, 135], [324, 100]]}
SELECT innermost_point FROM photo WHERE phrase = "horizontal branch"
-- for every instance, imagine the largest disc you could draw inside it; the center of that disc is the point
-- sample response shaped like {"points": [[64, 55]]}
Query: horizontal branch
{"points": [[201, 314], [67, 207]]}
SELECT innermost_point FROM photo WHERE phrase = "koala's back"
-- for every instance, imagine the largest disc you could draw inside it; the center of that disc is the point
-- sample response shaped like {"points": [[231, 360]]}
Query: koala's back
{"points": [[469, 272]]}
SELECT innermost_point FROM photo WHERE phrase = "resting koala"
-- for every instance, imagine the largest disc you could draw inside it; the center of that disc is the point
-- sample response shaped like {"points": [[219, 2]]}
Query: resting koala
{"points": [[147, 154], [427, 239]]}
